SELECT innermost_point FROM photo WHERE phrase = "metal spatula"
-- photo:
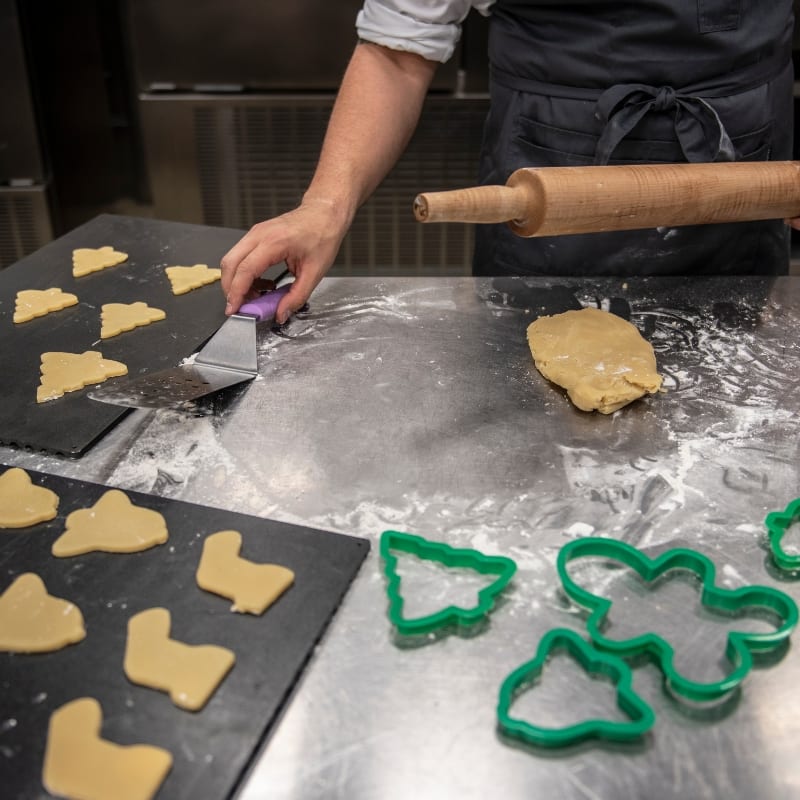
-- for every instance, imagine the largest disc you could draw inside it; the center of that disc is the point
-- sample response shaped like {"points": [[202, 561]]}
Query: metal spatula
{"points": [[229, 357]]}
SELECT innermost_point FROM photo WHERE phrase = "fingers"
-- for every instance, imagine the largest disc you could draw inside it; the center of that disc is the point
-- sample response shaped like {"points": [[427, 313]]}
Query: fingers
{"points": [[307, 239], [231, 260], [240, 277], [305, 282]]}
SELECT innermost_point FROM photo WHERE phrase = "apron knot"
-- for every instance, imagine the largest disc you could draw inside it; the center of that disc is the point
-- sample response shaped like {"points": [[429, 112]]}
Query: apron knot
{"points": [[665, 100], [698, 128]]}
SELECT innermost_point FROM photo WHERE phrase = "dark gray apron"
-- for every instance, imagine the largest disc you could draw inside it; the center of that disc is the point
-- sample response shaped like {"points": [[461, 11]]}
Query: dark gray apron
{"points": [[579, 82]]}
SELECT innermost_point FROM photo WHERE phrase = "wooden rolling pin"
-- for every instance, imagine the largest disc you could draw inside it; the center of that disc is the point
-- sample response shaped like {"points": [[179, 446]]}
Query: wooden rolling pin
{"points": [[550, 201]]}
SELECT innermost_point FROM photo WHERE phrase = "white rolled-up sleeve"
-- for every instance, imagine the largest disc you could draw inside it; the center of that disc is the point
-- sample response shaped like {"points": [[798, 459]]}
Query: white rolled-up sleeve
{"points": [[429, 28]]}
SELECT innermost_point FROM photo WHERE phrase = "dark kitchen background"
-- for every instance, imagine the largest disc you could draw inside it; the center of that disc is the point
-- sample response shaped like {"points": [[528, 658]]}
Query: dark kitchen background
{"points": [[213, 113]]}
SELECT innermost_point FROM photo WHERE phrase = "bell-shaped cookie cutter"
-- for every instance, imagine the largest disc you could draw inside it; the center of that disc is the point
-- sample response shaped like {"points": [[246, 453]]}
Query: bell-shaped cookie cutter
{"points": [[778, 522], [504, 568], [740, 646], [594, 662]]}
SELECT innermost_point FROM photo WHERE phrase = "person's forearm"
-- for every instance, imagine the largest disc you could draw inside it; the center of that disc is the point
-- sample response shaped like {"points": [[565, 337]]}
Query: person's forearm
{"points": [[375, 114]]}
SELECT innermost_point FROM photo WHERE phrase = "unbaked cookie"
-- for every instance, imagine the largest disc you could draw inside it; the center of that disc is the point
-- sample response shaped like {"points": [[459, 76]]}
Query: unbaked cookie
{"points": [[22, 503], [31, 303], [88, 259], [189, 673], [80, 765], [33, 621], [68, 372], [119, 317], [602, 360], [112, 525], [252, 587], [184, 279]]}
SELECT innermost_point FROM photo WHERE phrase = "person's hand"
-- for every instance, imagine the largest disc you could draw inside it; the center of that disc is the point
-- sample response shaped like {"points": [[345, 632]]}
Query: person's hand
{"points": [[307, 239], [794, 223]]}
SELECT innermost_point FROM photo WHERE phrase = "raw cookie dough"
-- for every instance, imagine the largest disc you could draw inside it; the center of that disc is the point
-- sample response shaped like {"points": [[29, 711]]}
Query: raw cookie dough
{"points": [[80, 765], [88, 259], [22, 503], [32, 303], [119, 317], [602, 360], [189, 673], [67, 372], [112, 525], [252, 587], [184, 279], [33, 621]]}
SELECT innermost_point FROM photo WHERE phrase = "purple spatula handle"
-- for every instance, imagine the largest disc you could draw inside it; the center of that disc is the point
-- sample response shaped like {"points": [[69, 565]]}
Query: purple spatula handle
{"points": [[265, 306]]}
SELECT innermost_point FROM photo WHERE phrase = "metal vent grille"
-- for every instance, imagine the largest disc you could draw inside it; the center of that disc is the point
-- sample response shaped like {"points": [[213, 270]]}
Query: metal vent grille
{"points": [[254, 161], [24, 223]]}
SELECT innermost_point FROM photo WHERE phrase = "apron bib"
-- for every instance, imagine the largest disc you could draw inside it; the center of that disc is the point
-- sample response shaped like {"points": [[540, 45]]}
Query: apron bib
{"points": [[577, 82]]}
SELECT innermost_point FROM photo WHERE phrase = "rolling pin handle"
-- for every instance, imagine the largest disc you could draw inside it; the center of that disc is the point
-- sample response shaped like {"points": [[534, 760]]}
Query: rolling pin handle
{"points": [[485, 204]]}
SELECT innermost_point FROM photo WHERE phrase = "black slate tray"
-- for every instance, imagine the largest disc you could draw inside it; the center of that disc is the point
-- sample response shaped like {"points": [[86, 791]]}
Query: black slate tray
{"points": [[212, 748], [72, 423]]}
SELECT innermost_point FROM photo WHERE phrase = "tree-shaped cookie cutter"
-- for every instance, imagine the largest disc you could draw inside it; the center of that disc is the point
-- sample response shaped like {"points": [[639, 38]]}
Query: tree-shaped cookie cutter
{"points": [[504, 568], [594, 662], [740, 646], [778, 522]]}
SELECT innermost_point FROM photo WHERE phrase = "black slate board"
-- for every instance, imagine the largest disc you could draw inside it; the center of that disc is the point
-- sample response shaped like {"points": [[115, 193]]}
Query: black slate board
{"points": [[72, 423], [212, 748]]}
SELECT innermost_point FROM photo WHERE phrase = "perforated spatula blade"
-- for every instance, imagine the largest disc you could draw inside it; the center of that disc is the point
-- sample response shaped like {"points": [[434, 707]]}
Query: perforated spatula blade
{"points": [[229, 357]]}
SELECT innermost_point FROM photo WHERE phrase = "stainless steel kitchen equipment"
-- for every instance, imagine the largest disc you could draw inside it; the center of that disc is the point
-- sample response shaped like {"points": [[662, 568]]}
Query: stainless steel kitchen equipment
{"points": [[228, 358], [413, 404]]}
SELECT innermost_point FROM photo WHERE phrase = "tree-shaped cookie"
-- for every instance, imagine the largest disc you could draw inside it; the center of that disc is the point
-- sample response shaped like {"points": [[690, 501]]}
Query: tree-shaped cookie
{"points": [[393, 542], [31, 303], [253, 587], [86, 260], [33, 621], [189, 673], [68, 372], [79, 763], [112, 525], [184, 279], [119, 317], [641, 716], [22, 503]]}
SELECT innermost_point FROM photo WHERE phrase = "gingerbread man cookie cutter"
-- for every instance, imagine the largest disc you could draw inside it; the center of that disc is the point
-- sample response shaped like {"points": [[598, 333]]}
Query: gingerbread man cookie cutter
{"points": [[740, 645], [778, 523]]}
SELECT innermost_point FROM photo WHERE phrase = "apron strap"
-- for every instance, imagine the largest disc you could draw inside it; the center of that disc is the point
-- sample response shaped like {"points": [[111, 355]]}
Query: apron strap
{"points": [[698, 128]]}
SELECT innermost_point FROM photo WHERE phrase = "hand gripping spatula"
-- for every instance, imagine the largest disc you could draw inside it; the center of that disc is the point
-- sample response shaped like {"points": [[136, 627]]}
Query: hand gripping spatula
{"points": [[229, 357]]}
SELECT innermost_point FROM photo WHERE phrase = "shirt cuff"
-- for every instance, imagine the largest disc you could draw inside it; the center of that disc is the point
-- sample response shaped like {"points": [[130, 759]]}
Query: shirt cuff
{"points": [[432, 39]]}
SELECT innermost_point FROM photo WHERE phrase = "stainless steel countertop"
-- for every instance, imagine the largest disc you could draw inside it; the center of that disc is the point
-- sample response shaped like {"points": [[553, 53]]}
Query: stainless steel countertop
{"points": [[413, 404]]}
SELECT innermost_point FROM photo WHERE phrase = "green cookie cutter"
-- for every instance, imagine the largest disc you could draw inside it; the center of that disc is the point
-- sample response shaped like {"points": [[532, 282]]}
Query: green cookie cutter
{"points": [[594, 662], [778, 522], [449, 556], [740, 646]]}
